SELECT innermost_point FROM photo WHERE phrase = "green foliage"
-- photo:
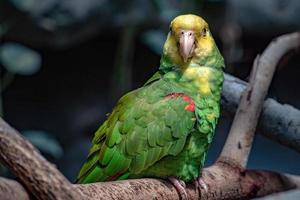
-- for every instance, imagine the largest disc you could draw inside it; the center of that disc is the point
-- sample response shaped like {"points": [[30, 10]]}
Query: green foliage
{"points": [[19, 59], [44, 142]]}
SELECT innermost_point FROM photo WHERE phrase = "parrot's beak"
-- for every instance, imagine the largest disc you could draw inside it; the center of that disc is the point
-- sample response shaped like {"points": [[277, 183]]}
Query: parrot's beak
{"points": [[186, 44]]}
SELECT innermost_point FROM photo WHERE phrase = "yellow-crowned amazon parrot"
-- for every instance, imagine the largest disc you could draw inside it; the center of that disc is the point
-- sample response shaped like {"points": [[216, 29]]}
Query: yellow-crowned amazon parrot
{"points": [[164, 128]]}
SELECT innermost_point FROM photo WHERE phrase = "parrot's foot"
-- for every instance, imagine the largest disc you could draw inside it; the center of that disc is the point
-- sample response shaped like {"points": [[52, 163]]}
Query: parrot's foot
{"points": [[180, 187], [200, 184]]}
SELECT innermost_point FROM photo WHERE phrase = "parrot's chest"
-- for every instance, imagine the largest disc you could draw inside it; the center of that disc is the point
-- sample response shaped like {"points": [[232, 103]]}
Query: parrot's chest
{"points": [[200, 79]]}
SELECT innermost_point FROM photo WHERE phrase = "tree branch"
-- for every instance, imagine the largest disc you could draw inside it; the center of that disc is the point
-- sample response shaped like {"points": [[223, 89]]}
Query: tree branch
{"points": [[290, 195], [39, 176], [10, 189], [239, 142], [279, 122], [223, 180]]}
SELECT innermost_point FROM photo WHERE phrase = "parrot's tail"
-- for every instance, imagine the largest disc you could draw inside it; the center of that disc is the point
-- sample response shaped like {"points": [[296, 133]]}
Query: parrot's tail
{"points": [[98, 175]]}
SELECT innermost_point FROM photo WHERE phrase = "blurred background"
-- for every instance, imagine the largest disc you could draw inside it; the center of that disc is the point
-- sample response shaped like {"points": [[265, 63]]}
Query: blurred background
{"points": [[64, 64]]}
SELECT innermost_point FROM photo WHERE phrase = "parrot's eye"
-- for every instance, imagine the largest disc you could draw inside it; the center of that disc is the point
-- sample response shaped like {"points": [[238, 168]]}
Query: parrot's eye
{"points": [[204, 32]]}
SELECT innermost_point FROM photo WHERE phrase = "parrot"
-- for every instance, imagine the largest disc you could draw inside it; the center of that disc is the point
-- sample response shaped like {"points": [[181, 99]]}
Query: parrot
{"points": [[164, 128]]}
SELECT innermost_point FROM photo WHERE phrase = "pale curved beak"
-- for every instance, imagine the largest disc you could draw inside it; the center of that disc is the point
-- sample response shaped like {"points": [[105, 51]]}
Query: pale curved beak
{"points": [[186, 44]]}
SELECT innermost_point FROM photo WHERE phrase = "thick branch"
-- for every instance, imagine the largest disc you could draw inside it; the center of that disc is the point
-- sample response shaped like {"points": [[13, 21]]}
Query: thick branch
{"points": [[10, 190], [223, 180], [40, 177], [279, 122], [239, 142]]}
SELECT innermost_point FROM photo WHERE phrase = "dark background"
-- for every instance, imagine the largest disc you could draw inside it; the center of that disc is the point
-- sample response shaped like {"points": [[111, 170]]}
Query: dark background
{"points": [[83, 55]]}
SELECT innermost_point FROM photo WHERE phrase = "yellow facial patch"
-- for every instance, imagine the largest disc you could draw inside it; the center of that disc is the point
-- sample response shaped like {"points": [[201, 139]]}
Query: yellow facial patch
{"points": [[204, 46], [204, 43], [170, 48]]}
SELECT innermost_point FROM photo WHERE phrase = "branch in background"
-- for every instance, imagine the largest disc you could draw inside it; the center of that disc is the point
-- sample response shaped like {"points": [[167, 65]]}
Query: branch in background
{"points": [[239, 141], [290, 195], [39, 176], [283, 126], [279, 122]]}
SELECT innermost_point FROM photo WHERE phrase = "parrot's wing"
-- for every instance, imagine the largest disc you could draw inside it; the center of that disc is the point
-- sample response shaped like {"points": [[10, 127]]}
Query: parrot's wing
{"points": [[138, 133]]}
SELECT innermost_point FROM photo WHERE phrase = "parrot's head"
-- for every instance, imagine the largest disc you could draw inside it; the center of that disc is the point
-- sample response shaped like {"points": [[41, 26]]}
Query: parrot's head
{"points": [[189, 40]]}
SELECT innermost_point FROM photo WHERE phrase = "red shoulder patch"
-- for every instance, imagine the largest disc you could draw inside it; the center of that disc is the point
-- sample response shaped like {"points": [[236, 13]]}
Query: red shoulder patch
{"points": [[186, 98]]}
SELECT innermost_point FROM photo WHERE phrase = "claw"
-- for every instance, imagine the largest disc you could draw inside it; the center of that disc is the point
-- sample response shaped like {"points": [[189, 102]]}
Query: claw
{"points": [[201, 184], [180, 187]]}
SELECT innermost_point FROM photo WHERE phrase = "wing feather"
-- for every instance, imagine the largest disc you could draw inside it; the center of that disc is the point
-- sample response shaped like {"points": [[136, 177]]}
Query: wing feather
{"points": [[138, 133]]}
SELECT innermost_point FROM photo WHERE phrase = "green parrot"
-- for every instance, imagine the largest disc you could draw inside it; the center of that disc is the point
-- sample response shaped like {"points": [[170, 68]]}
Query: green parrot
{"points": [[164, 128]]}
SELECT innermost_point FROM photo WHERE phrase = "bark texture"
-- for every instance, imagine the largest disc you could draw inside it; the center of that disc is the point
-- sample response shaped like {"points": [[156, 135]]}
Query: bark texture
{"points": [[10, 189]]}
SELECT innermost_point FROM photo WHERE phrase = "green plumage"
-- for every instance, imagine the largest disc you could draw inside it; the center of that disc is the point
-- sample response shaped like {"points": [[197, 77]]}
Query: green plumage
{"points": [[162, 129]]}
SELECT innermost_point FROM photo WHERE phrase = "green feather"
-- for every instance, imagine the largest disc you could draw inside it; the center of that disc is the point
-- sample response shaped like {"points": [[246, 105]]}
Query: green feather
{"points": [[94, 176], [107, 155]]}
